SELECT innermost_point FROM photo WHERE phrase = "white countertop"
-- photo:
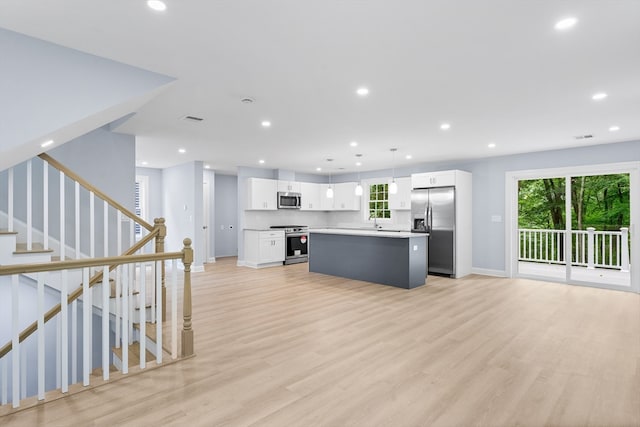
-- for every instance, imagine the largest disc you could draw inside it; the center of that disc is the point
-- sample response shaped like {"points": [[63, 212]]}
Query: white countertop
{"points": [[371, 233]]}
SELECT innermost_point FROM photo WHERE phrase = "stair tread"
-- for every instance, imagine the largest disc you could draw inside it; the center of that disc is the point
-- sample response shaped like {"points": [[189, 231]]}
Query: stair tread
{"points": [[98, 371], [134, 354], [57, 258], [2, 231], [150, 330], [36, 248], [113, 289]]}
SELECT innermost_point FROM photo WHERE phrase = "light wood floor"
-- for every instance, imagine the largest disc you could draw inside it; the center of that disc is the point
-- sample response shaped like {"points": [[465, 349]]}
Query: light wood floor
{"points": [[285, 347]]}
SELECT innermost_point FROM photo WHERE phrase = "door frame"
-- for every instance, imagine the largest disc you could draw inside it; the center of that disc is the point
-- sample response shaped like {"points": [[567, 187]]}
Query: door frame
{"points": [[511, 215]]}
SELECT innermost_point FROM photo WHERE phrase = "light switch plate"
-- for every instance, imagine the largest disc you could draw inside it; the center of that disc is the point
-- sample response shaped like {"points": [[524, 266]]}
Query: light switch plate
{"points": [[415, 247]]}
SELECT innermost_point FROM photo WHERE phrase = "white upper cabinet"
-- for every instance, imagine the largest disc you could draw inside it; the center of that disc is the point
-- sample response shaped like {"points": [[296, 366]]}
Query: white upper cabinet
{"points": [[402, 199], [345, 198], [289, 186], [262, 194], [433, 179], [310, 196]]}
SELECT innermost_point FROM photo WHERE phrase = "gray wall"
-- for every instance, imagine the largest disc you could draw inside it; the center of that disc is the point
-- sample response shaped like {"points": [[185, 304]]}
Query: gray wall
{"points": [[488, 188], [226, 215], [106, 160], [47, 88], [155, 193], [183, 208]]}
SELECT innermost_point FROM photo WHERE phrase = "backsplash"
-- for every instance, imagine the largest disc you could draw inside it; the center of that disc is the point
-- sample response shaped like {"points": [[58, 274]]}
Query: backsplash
{"points": [[264, 219]]}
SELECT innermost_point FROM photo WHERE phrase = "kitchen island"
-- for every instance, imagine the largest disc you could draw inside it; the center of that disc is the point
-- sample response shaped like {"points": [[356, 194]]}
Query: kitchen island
{"points": [[393, 258]]}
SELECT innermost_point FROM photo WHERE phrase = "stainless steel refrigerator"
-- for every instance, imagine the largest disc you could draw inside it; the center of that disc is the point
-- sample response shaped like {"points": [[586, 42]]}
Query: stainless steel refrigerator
{"points": [[433, 211]]}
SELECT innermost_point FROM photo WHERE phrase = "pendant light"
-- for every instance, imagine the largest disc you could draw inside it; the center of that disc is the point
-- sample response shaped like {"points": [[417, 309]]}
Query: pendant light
{"points": [[330, 188], [359, 189], [393, 187]]}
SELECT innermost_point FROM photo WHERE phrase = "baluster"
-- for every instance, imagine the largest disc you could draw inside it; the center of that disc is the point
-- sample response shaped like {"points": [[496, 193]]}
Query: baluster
{"points": [[624, 249], [158, 293], [77, 215], [92, 225], [174, 309], [105, 220], [5, 386], [23, 372], [15, 342], [41, 336], [45, 203], [106, 288], [74, 342], [610, 247], [529, 241], [87, 308], [62, 218], [132, 284], [64, 320], [58, 361], [603, 241], [29, 206], [10, 199], [118, 301], [590, 248], [125, 317], [143, 316], [154, 319]]}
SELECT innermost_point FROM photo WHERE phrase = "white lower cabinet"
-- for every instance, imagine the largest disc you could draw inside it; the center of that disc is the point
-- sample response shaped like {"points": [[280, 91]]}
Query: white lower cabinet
{"points": [[263, 248]]}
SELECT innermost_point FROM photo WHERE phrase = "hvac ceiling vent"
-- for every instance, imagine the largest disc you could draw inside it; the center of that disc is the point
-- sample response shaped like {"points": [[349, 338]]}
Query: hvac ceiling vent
{"points": [[584, 136], [193, 119]]}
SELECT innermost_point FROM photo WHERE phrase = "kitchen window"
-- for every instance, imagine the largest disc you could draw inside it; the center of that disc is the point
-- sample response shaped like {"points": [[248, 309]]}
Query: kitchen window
{"points": [[378, 201]]}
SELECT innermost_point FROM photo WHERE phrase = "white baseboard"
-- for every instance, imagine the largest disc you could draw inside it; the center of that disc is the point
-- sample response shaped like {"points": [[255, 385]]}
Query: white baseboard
{"points": [[240, 263], [212, 259], [489, 272], [197, 268]]}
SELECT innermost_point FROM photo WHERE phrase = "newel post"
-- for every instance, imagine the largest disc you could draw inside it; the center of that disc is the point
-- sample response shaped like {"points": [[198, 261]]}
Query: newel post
{"points": [[590, 248], [187, 331], [624, 249], [162, 232]]}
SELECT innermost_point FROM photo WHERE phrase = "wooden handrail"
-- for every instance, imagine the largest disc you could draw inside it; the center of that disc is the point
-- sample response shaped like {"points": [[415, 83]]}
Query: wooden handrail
{"points": [[125, 258], [56, 164]]}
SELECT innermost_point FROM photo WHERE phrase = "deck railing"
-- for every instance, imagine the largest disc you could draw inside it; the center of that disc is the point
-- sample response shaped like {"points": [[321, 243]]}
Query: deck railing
{"points": [[590, 248]]}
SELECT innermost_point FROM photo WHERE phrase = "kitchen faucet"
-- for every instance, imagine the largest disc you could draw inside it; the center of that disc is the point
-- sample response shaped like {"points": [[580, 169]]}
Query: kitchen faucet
{"points": [[375, 221]]}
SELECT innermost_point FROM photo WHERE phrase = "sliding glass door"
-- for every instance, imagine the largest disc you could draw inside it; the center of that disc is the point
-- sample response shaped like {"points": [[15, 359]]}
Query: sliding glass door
{"points": [[575, 225]]}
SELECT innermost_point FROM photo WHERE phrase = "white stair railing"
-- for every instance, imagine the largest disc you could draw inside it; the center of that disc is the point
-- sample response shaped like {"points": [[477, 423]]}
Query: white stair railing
{"points": [[591, 248], [14, 359]]}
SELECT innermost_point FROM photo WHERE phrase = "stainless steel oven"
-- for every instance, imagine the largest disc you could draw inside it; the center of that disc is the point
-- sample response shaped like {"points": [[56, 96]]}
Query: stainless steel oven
{"points": [[296, 243], [288, 200]]}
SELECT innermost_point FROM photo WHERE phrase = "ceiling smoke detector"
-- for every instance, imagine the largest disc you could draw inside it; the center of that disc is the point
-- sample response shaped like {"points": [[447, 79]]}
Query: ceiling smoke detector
{"points": [[247, 100], [193, 118]]}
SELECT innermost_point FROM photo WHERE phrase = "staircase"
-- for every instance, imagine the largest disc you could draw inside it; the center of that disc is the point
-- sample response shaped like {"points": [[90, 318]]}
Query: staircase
{"points": [[74, 317]]}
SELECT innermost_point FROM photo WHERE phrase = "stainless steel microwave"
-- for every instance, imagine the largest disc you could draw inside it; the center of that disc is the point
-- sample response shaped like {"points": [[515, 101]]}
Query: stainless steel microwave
{"points": [[287, 200]]}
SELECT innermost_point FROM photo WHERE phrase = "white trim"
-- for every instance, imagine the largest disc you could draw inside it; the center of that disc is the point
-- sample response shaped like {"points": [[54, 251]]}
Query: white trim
{"points": [[488, 272], [197, 268], [241, 263], [264, 265], [364, 206], [511, 210], [213, 259]]}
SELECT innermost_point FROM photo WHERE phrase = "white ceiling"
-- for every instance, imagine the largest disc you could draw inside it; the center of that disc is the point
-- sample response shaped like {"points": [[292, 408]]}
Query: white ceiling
{"points": [[497, 70]]}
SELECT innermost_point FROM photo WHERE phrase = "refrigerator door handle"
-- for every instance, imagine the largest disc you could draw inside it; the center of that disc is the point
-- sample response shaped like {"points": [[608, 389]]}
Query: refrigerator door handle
{"points": [[429, 219]]}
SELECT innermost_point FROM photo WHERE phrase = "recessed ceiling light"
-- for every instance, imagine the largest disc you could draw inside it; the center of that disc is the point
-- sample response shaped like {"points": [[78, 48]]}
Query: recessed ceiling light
{"points": [[445, 126], [261, 161], [158, 5], [599, 96], [353, 143], [408, 157], [182, 151], [362, 91], [614, 128], [358, 163], [492, 145], [207, 166], [266, 123], [318, 169], [47, 143], [145, 163], [566, 23]]}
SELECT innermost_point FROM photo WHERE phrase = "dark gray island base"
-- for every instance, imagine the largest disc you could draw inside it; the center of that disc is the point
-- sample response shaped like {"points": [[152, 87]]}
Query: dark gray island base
{"points": [[390, 258]]}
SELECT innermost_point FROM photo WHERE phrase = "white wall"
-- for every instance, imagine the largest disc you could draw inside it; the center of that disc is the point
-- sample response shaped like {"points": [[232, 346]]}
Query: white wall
{"points": [[182, 206], [154, 192]]}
